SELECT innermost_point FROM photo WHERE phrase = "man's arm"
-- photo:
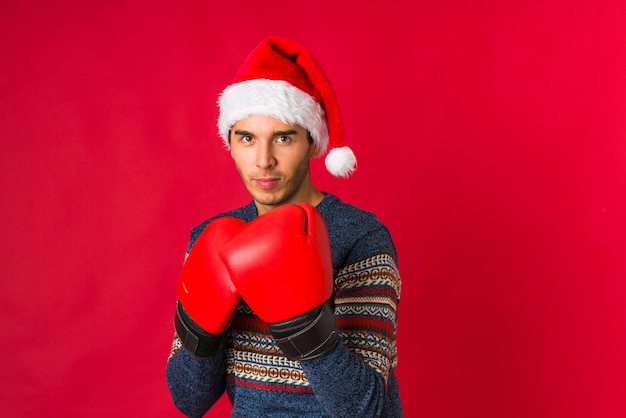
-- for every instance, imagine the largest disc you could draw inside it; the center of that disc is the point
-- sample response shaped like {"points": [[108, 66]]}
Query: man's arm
{"points": [[195, 384], [351, 380], [207, 301]]}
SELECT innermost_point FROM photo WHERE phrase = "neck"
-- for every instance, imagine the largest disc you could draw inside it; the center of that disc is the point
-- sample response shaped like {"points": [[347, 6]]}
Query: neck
{"points": [[312, 196]]}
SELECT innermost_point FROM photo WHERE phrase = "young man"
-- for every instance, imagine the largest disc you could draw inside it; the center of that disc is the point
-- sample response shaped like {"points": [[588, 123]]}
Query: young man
{"points": [[289, 304]]}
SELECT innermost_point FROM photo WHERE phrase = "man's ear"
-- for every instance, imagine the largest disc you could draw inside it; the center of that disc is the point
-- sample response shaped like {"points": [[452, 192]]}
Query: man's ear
{"points": [[315, 151]]}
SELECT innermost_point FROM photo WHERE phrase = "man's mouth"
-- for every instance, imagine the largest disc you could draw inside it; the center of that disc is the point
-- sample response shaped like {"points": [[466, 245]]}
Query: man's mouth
{"points": [[266, 183]]}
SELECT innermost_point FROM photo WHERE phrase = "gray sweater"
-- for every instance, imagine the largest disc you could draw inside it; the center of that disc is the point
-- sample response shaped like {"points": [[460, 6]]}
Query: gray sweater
{"points": [[355, 379]]}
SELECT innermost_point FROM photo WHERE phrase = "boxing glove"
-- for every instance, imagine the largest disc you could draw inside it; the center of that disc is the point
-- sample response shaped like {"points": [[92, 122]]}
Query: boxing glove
{"points": [[282, 267], [206, 297]]}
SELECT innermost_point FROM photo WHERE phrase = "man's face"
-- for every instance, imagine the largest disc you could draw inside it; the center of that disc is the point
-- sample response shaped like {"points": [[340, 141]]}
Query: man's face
{"points": [[273, 160]]}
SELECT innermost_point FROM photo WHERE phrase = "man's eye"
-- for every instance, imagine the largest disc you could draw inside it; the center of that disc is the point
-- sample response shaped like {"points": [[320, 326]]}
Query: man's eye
{"points": [[283, 138], [246, 138]]}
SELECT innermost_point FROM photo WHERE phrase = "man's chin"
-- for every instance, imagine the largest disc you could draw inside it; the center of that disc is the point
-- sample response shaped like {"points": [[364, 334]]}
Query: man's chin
{"points": [[268, 199]]}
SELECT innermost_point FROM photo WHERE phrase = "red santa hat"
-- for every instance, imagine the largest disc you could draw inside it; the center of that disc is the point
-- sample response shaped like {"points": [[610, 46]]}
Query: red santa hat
{"points": [[281, 79]]}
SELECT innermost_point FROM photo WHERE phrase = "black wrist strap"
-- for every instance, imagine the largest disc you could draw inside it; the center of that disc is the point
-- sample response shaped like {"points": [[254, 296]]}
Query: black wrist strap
{"points": [[195, 340], [317, 337]]}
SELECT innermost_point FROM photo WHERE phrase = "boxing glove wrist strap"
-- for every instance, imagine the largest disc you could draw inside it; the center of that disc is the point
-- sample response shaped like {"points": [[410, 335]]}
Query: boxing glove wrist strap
{"points": [[307, 336], [195, 340]]}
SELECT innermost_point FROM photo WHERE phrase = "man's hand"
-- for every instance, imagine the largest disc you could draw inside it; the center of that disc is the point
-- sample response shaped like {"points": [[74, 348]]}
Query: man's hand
{"points": [[207, 297], [281, 265]]}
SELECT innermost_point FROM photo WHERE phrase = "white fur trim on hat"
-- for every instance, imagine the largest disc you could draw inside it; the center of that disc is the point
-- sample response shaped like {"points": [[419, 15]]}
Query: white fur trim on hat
{"points": [[275, 98], [340, 161]]}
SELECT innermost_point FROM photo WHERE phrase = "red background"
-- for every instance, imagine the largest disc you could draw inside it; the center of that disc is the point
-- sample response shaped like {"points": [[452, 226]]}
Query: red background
{"points": [[491, 139]]}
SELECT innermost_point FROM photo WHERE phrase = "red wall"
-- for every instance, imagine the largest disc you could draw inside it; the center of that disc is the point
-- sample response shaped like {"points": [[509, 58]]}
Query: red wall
{"points": [[491, 139]]}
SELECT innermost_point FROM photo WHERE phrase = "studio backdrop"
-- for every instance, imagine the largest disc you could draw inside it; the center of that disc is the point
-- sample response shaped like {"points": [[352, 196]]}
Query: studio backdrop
{"points": [[490, 137]]}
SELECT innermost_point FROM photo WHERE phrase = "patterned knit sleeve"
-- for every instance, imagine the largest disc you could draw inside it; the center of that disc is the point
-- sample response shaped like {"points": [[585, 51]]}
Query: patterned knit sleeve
{"points": [[194, 384], [352, 380], [366, 301]]}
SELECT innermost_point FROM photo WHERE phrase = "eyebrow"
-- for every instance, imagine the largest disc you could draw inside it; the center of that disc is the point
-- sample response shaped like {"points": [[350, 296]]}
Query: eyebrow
{"points": [[285, 133], [274, 134]]}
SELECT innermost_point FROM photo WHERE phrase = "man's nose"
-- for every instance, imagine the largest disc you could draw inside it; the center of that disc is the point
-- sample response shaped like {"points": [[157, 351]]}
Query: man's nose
{"points": [[265, 156]]}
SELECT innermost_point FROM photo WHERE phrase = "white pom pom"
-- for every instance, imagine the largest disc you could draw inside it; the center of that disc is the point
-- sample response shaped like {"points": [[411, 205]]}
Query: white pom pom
{"points": [[341, 162]]}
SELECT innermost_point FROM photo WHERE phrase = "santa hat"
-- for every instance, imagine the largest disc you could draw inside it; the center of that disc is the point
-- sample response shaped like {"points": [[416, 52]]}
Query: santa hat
{"points": [[283, 80]]}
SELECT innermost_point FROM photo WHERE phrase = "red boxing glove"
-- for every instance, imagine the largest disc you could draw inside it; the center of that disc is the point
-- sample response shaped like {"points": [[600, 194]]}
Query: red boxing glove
{"points": [[207, 297], [281, 265]]}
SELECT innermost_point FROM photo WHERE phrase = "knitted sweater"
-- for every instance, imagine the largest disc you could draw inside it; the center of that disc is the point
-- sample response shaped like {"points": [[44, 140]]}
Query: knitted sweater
{"points": [[354, 379]]}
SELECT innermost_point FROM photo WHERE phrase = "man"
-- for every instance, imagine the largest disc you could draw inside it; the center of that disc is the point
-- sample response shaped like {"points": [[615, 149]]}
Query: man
{"points": [[289, 304]]}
